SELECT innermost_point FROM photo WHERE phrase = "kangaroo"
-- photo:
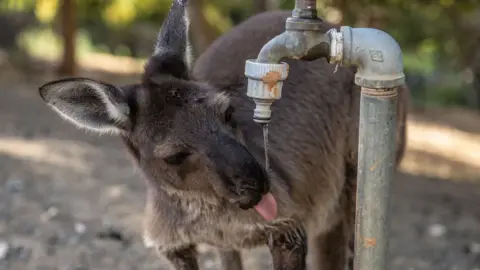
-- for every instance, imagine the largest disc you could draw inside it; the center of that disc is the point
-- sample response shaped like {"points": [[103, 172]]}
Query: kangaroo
{"points": [[191, 133]]}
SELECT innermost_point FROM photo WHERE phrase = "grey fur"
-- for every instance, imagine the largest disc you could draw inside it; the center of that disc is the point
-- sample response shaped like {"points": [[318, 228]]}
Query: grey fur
{"points": [[200, 166]]}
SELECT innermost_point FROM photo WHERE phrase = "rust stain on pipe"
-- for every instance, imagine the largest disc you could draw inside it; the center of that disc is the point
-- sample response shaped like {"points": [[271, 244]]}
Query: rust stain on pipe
{"points": [[369, 242], [375, 165]]}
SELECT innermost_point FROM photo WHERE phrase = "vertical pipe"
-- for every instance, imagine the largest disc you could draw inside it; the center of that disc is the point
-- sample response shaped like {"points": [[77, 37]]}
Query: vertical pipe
{"points": [[376, 161], [306, 4], [305, 9]]}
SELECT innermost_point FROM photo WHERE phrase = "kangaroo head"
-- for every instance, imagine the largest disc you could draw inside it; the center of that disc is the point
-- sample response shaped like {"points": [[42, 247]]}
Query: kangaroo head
{"points": [[181, 132]]}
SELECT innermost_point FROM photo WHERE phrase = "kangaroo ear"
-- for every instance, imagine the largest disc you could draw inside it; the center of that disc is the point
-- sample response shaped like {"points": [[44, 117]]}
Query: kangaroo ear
{"points": [[172, 54], [88, 104]]}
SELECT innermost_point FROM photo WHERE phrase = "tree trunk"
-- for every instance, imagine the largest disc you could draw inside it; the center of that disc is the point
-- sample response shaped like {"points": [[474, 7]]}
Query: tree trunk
{"points": [[476, 89], [202, 33], [68, 26]]}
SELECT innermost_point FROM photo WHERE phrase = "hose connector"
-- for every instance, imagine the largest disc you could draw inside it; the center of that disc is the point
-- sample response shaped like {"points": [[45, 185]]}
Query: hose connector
{"points": [[265, 82]]}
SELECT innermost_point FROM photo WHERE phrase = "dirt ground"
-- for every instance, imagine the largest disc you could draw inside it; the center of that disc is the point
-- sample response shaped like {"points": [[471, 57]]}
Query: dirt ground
{"points": [[71, 200]]}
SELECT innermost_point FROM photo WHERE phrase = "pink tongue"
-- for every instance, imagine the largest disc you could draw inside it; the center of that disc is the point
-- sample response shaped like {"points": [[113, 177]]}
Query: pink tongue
{"points": [[267, 207]]}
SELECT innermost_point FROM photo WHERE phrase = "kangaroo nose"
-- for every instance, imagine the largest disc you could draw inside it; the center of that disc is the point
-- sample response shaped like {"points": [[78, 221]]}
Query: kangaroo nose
{"points": [[245, 179]]}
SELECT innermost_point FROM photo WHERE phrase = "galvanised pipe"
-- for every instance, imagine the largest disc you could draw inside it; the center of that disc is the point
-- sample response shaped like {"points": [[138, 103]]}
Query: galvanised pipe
{"points": [[306, 4], [305, 9], [379, 63], [376, 54], [376, 164], [294, 44], [302, 39]]}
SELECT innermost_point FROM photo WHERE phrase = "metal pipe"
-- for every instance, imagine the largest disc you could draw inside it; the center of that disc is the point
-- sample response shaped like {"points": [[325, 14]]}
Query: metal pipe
{"points": [[266, 74], [376, 54], [376, 161], [305, 4], [378, 59], [296, 45], [305, 9], [303, 39]]}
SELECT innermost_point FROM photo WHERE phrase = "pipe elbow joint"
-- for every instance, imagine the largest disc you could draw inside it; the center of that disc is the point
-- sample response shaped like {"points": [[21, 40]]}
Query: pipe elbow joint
{"points": [[375, 53]]}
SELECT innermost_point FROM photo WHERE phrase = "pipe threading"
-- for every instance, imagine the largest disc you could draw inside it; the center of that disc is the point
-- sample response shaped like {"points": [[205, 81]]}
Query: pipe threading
{"points": [[384, 92]]}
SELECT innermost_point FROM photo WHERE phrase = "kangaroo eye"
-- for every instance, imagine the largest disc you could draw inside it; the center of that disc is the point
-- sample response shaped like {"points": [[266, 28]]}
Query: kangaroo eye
{"points": [[177, 159]]}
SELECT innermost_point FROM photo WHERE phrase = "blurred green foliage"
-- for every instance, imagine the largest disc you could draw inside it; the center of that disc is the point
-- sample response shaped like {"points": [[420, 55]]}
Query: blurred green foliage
{"points": [[435, 35]]}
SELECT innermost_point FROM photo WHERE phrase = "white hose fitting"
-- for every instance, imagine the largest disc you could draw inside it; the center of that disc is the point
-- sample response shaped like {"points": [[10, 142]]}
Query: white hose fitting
{"points": [[265, 82]]}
